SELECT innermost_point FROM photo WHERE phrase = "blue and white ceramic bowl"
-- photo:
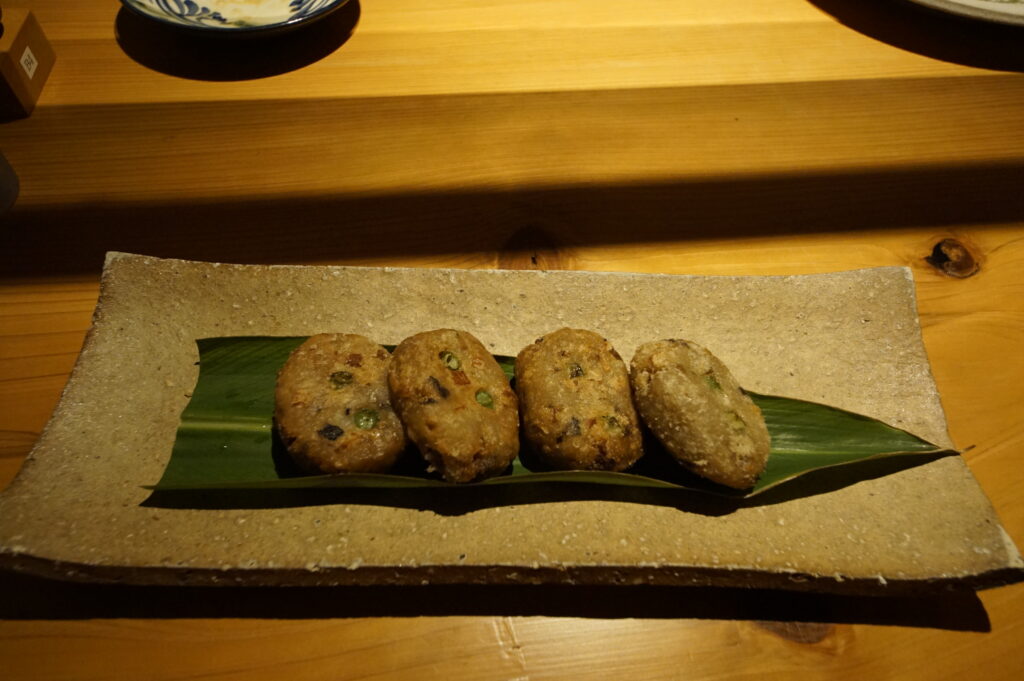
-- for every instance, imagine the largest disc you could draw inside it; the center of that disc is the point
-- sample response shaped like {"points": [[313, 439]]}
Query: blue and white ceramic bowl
{"points": [[234, 16]]}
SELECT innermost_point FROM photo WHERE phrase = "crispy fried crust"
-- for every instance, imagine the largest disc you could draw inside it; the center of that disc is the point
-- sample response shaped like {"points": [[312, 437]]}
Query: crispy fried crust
{"points": [[575, 402], [456, 404], [332, 408], [692, 403]]}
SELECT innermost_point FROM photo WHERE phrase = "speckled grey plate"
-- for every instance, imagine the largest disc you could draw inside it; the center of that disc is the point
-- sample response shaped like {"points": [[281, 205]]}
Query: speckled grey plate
{"points": [[851, 339]]}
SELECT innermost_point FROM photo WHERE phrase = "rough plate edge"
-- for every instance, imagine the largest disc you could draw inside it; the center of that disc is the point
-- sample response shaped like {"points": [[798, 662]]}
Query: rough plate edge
{"points": [[501, 575]]}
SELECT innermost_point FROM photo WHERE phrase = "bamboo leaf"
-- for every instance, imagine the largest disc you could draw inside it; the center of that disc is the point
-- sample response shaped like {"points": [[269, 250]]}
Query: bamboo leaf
{"points": [[225, 439]]}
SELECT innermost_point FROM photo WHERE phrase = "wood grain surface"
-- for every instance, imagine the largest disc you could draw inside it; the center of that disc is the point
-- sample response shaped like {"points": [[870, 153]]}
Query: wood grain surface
{"points": [[753, 137]]}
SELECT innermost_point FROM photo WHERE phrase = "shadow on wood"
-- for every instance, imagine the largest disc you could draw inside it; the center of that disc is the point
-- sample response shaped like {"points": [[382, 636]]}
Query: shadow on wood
{"points": [[72, 240], [935, 34], [32, 598]]}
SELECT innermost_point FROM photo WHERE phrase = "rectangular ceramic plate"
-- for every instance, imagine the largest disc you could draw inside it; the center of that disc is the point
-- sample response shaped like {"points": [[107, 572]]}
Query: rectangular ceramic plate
{"points": [[78, 509]]}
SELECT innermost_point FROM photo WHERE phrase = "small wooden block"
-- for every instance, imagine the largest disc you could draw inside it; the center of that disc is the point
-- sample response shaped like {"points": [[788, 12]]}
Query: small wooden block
{"points": [[26, 59]]}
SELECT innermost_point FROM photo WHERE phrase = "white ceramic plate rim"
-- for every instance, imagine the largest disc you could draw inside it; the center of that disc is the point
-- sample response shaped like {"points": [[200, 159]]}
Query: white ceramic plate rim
{"points": [[1001, 12]]}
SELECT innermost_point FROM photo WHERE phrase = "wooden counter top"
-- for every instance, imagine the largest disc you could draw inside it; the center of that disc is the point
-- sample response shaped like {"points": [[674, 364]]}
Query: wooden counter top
{"points": [[759, 137]]}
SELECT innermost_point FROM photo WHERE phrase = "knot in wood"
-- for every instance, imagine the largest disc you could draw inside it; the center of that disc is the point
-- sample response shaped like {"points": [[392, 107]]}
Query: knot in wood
{"points": [[799, 632], [953, 258]]}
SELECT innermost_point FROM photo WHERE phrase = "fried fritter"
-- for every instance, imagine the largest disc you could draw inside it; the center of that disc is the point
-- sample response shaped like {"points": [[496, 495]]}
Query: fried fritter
{"points": [[575, 402], [691, 402], [332, 407], [456, 404]]}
